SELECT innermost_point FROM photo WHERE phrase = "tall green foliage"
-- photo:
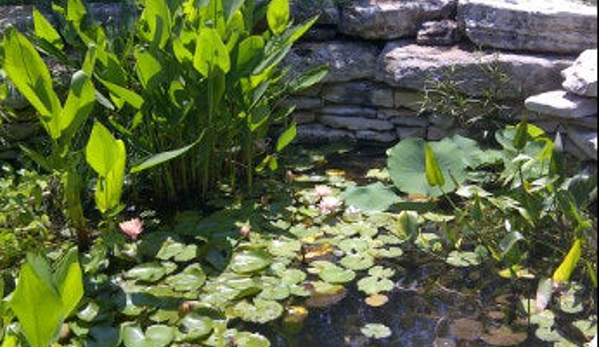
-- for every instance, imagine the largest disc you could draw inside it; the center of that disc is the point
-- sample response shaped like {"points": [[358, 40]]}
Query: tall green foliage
{"points": [[198, 89]]}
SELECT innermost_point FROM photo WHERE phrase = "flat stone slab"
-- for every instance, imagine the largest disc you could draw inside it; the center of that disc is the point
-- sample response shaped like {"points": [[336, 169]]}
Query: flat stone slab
{"points": [[354, 123], [347, 61], [584, 140], [581, 78], [514, 76], [562, 104], [530, 25], [392, 19], [318, 133], [359, 93]]}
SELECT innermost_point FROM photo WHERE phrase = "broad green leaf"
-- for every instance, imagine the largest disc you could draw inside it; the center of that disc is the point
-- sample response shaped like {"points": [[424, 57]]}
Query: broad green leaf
{"points": [[163, 157], [149, 272], [79, 104], [247, 262], [101, 150], [566, 269], [44, 30], [148, 67], [30, 75], [250, 53], [69, 281], [277, 16], [260, 311], [38, 158], [38, 308], [521, 135], [196, 327], [307, 79], [211, 53], [232, 6], [157, 17], [463, 259], [371, 199], [76, 12], [127, 95], [286, 137], [434, 175], [407, 224]]}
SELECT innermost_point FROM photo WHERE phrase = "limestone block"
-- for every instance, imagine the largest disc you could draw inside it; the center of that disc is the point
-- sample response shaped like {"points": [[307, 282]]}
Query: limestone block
{"points": [[439, 33], [376, 136], [392, 19], [349, 111], [408, 132], [302, 103], [347, 61], [530, 25], [304, 117], [388, 113], [562, 104], [513, 76], [409, 99], [303, 10], [353, 123], [318, 133], [584, 142], [581, 78], [359, 93]]}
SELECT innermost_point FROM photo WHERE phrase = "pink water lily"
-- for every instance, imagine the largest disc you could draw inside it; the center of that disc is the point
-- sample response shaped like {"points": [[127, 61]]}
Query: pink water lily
{"points": [[330, 204], [132, 228], [245, 231], [323, 191]]}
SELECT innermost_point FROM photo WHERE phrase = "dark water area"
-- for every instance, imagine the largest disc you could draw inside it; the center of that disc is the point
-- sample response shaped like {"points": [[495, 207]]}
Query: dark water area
{"points": [[431, 306]]}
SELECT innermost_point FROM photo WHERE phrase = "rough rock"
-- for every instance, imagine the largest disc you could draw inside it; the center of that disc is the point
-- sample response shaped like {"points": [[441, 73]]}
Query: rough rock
{"points": [[392, 19], [584, 141], [514, 76], [562, 104], [581, 77], [347, 61], [376, 136], [435, 133], [390, 113], [406, 133], [303, 103], [359, 93], [321, 34], [317, 133], [304, 117], [530, 25], [349, 111], [409, 99], [353, 123], [439, 33], [302, 10]]}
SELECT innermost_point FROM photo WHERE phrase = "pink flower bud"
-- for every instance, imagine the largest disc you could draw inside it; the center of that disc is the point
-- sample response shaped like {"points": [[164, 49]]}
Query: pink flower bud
{"points": [[132, 228]]}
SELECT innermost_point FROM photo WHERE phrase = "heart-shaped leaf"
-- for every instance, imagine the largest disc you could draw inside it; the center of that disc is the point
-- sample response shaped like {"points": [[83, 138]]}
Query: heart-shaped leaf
{"points": [[155, 336]]}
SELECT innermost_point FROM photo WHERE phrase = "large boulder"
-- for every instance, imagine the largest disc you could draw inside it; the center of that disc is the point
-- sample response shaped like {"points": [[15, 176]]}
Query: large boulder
{"points": [[327, 10], [512, 76], [392, 19], [365, 93], [581, 78], [347, 61], [531, 25], [562, 104]]}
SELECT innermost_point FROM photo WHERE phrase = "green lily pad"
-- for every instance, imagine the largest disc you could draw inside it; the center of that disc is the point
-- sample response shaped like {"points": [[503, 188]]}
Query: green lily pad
{"points": [[149, 272], [190, 280], [376, 331], [195, 327], [165, 317], [260, 311], [90, 312], [463, 259], [292, 276], [275, 292], [246, 339], [286, 249], [252, 261], [357, 262], [370, 199], [332, 273], [154, 336], [375, 285]]}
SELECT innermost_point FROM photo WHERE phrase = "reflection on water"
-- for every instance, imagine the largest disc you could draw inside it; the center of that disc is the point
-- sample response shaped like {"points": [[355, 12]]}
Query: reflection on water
{"points": [[433, 306]]}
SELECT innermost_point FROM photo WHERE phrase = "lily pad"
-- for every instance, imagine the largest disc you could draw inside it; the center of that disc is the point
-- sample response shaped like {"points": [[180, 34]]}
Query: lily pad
{"points": [[374, 285], [463, 259], [190, 280], [285, 248], [376, 331], [251, 261], [260, 311], [357, 262], [154, 336], [195, 327], [373, 198], [149, 272]]}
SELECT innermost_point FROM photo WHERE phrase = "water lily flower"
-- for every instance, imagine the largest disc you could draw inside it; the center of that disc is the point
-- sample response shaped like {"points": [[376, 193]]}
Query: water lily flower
{"points": [[330, 204], [245, 231], [352, 212], [323, 191], [132, 228]]}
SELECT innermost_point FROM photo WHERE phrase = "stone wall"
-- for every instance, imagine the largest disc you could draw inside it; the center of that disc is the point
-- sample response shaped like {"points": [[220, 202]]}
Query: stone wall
{"points": [[384, 55]]}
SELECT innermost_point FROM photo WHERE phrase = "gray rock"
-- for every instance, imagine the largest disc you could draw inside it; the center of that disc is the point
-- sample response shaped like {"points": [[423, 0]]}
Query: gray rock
{"points": [[531, 25], [349, 111], [376, 136], [359, 93], [409, 99], [304, 117], [327, 10], [347, 61], [513, 76], [407, 132], [318, 133], [436, 133], [387, 113], [354, 123], [581, 78], [584, 143], [392, 19], [562, 104], [439, 33], [321, 34], [442, 121], [303, 103]]}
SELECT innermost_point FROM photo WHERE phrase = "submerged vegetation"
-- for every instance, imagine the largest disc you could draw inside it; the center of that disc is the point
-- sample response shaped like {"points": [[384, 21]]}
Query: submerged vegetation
{"points": [[167, 207]]}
